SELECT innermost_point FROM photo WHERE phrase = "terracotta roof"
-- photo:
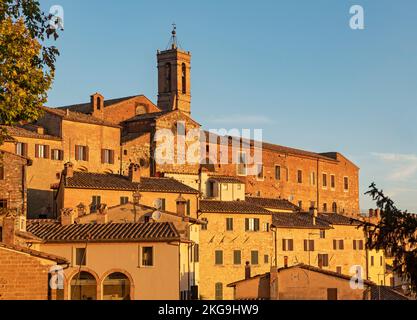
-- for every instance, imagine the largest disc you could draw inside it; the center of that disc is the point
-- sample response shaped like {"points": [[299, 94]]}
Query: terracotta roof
{"points": [[88, 180], [338, 219], [79, 117], [298, 220], [86, 107], [226, 179], [133, 135], [111, 232], [17, 131], [35, 253], [24, 159], [147, 116], [386, 293], [215, 206], [282, 204]]}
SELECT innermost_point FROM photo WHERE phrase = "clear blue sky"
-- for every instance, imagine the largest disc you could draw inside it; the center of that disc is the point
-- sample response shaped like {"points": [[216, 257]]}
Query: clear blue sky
{"points": [[293, 68]]}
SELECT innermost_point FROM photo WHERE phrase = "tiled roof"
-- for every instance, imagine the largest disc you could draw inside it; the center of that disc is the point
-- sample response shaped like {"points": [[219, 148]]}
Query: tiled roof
{"points": [[338, 219], [88, 180], [298, 220], [386, 293], [35, 253], [226, 179], [86, 107], [215, 206], [279, 149], [282, 204], [111, 232], [79, 117], [17, 131], [147, 116]]}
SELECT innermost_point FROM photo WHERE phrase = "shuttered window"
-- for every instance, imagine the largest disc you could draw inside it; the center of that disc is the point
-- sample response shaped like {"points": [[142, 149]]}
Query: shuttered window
{"points": [[81, 153], [2, 172], [323, 260], [22, 149], [287, 245], [308, 245], [237, 257], [57, 154], [107, 156], [41, 151], [219, 257], [338, 245], [254, 257], [219, 291], [252, 224], [229, 224], [95, 203]]}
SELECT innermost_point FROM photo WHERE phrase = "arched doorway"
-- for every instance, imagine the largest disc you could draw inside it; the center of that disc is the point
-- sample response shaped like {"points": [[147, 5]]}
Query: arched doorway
{"points": [[83, 286], [116, 286]]}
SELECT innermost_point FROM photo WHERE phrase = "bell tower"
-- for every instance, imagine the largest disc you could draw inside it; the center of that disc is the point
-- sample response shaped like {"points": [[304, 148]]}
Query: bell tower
{"points": [[174, 87]]}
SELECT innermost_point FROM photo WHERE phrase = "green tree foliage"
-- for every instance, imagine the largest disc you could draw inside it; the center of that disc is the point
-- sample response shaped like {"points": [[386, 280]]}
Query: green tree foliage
{"points": [[27, 63], [396, 234]]}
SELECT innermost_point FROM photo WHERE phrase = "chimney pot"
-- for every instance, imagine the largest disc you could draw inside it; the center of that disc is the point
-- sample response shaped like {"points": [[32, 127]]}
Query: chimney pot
{"points": [[9, 229], [68, 170], [68, 216], [134, 172]]}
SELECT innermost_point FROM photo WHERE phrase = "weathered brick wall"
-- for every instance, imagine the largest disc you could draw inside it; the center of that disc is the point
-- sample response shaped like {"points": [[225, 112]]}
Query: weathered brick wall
{"points": [[12, 187], [22, 277]]}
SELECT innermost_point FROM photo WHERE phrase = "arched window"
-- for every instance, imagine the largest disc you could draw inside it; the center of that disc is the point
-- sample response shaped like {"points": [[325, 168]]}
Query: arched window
{"points": [[334, 207], [83, 286], [116, 287], [168, 77], [184, 78]]}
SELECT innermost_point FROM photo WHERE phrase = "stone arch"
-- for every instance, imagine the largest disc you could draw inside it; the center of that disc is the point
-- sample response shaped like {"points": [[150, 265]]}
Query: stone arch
{"points": [[76, 271], [124, 272]]}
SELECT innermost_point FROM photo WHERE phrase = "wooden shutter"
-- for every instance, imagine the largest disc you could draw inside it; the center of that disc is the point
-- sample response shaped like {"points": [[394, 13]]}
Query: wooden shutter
{"points": [[320, 260], [284, 245], [305, 245], [163, 204], [256, 224], [46, 152], [36, 150], [111, 156], [354, 244], [291, 245], [311, 245], [87, 153], [77, 152], [326, 260], [361, 245], [334, 244], [246, 224], [342, 245], [188, 207], [1, 172], [103, 156]]}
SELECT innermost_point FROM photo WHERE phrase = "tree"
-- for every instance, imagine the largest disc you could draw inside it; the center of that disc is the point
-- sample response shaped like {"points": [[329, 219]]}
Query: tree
{"points": [[27, 63], [396, 234]]}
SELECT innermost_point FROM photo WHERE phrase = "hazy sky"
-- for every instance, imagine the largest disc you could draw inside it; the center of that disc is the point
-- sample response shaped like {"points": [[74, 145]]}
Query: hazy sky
{"points": [[293, 68]]}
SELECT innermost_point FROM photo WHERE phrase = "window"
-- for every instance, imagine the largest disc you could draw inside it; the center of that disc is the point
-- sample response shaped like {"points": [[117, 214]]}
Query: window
{"points": [[107, 156], [80, 256], [81, 153], [266, 259], [241, 166], [116, 286], [160, 204], [180, 128], [184, 78], [332, 294], [188, 207], [332, 181], [196, 252], [381, 261], [22, 149], [147, 257], [322, 234], [260, 172], [372, 261], [338, 245], [2, 176], [265, 227], [95, 204], [204, 226], [218, 257], [98, 102], [324, 180], [334, 207], [339, 270], [237, 257], [251, 224], [254, 257], [308, 245], [299, 176], [323, 260], [3, 204], [229, 224], [324, 207], [219, 291], [168, 77], [57, 154], [41, 151], [124, 200], [125, 152], [83, 286], [357, 244], [313, 178], [277, 172], [287, 245], [346, 183]]}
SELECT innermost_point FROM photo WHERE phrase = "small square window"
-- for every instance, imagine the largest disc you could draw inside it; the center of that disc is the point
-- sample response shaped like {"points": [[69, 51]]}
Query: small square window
{"points": [[147, 257], [80, 256]]}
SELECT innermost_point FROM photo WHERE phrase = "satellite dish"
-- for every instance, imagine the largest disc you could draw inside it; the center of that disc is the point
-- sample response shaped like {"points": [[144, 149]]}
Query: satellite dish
{"points": [[156, 215], [158, 204]]}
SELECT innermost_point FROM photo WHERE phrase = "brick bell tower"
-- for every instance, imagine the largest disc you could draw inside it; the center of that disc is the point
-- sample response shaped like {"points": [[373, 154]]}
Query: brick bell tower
{"points": [[174, 87]]}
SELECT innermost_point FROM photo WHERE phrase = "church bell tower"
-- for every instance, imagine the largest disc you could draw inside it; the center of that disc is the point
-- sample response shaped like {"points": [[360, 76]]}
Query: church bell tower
{"points": [[174, 87]]}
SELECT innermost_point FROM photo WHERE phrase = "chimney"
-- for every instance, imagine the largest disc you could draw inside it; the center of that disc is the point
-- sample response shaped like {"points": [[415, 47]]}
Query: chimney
{"points": [[315, 214], [68, 216], [134, 172], [181, 204], [40, 130], [9, 229], [102, 216], [68, 170], [97, 105], [247, 270]]}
